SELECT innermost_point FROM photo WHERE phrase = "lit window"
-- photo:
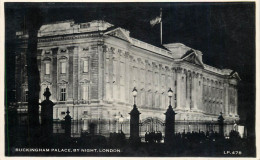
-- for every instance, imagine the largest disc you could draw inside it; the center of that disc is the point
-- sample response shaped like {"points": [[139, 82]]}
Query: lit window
{"points": [[26, 96], [47, 68], [63, 67], [85, 66], [63, 94], [85, 93]]}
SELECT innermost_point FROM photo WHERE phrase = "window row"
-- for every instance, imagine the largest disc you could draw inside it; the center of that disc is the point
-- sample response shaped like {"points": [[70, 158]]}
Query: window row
{"points": [[63, 67], [63, 91], [83, 96]]}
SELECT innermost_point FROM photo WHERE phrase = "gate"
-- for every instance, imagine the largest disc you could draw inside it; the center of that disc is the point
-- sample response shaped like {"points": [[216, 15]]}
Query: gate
{"points": [[152, 124]]}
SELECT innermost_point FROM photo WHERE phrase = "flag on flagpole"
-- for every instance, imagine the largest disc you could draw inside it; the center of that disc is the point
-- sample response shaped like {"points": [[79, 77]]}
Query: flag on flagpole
{"points": [[158, 20], [155, 21]]}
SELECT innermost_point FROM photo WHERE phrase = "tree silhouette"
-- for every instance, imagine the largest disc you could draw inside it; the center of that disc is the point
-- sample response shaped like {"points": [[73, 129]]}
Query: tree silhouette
{"points": [[33, 22]]}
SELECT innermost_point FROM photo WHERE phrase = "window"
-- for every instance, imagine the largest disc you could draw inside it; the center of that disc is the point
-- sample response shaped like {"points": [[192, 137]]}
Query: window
{"points": [[142, 75], [62, 113], [47, 68], [85, 25], [63, 67], [85, 93], [63, 94], [156, 79], [143, 98], [163, 101], [122, 73], [85, 66], [26, 96]]}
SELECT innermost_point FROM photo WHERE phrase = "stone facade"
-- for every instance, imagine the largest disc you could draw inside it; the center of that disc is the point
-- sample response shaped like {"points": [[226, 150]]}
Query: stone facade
{"points": [[92, 68]]}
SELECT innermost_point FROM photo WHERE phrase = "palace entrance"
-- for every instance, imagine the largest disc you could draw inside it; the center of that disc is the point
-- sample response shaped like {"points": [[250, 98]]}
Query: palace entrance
{"points": [[151, 124]]}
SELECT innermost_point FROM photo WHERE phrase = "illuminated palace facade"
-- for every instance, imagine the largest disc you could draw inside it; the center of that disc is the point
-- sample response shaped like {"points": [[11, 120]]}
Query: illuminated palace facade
{"points": [[91, 69]]}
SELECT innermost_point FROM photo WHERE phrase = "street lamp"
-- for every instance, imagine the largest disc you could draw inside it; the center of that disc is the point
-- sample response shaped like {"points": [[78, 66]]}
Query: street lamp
{"points": [[121, 120], [169, 121], [134, 92], [134, 121], [170, 93]]}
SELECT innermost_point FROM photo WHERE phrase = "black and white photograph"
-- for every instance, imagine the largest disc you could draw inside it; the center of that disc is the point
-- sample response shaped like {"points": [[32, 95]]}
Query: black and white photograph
{"points": [[132, 79]]}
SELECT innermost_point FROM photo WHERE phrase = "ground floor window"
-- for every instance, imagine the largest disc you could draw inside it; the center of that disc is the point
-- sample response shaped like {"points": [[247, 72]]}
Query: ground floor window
{"points": [[63, 94]]}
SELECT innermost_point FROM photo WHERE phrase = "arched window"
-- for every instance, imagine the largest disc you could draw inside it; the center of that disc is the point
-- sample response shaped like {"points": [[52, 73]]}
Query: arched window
{"points": [[63, 61], [47, 65], [85, 92], [63, 67], [85, 66], [63, 90], [47, 68]]}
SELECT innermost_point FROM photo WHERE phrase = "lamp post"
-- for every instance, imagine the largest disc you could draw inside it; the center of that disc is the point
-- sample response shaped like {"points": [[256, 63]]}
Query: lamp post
{"points": [[169, 121], [134, 95], [212, 125], [170, 93], [134, 121], [117, 123], [221, 124], [121, 120]]}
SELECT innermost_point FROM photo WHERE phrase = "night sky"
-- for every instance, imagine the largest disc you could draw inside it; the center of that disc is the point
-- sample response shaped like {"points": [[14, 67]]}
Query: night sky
{"points": [[224, 32]]}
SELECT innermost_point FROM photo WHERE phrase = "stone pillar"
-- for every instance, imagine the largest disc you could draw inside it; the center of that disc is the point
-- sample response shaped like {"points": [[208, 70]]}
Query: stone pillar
{"points": [[221, 124], [75, 75], [187, 90], [127, 79], [200, 92], [101, 72], [169, 125], [54, 75], [47, 115], [194, 91], [134, 125], [68, 124], [181, 85], [236, 105], [71, 73], [225, 98]]}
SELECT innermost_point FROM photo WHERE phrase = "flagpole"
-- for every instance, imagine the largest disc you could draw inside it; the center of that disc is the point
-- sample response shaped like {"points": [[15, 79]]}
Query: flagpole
{"points": [[161, 24]]}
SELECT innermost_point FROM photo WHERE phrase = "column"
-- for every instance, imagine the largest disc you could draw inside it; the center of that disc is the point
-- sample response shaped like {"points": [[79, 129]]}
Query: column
{"points": [[127, 75], [101, 72], [194, 91], [180, 87], [187, 90], [226, 100], [200, 92], [54, 74], [175, 88], [71, 73], [76, 75], [235, 105]]}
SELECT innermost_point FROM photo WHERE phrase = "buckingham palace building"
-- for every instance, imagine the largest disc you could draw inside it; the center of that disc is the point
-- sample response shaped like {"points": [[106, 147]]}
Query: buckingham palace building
{"points": [[92, 68]]}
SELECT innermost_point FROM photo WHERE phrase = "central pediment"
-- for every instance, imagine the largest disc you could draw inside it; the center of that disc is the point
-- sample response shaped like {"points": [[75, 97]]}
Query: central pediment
{"points": [[120, 33], [193, 58]]}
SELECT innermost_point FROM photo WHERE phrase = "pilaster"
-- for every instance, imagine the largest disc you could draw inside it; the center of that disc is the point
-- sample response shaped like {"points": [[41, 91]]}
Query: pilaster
{"points": [[226, 99], [71, 73], [54, 74]]}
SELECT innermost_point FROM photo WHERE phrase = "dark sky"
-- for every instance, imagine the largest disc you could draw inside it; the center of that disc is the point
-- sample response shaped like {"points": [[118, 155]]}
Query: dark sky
{"points": [[224, 32]]}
